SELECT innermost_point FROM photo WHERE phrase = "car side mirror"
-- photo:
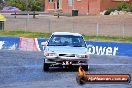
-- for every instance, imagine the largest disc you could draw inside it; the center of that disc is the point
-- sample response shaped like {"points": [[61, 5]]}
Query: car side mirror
{"points": [[89, 46], [44, 43]]}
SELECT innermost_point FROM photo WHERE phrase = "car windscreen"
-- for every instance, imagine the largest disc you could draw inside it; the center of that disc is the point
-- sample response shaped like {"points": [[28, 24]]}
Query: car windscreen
{"points": [[66, 40]]}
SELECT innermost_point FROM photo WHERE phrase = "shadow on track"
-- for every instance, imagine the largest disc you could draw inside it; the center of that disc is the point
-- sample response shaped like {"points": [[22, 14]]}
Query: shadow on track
{"points": [[57, 69]]}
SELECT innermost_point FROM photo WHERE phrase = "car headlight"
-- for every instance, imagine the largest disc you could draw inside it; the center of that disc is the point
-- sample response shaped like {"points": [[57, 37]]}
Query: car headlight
{"points": [[82, 56], [50, 54]]}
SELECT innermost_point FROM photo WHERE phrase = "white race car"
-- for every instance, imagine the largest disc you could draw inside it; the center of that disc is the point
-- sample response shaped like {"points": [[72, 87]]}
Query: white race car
{"points": [[65, 49]]}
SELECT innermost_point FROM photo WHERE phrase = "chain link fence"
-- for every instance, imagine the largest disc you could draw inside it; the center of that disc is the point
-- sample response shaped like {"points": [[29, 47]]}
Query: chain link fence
{"points": [[84, 25]]}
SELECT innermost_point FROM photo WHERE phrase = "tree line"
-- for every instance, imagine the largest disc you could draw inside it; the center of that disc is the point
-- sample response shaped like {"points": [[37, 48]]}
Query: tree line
{"points": [[26, 5]]}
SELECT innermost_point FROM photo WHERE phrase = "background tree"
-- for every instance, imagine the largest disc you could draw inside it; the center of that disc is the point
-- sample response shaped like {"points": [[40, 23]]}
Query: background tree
{"points": [[2, 4], [30, 5]]}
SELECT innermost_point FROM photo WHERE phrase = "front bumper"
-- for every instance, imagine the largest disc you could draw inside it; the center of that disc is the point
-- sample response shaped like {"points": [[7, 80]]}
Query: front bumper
{"points": [[61, 58], [66, 61]]}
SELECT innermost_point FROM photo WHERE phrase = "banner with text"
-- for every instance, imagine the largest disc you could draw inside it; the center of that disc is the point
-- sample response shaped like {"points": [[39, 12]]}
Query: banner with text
{"points": [[98, 48]]}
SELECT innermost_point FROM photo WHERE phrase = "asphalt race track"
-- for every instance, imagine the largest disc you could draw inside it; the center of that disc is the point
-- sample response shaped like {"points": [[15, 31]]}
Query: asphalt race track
{"points": [[19, 69]]}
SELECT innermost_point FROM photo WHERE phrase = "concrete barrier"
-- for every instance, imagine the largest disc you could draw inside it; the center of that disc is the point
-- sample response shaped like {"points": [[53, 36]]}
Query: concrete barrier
{"points": [[98, 48]]}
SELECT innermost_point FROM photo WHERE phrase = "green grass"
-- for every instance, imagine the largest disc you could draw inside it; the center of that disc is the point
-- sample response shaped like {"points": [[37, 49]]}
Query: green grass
{"points": [[47, 35], [24, 34], [109, 38]]}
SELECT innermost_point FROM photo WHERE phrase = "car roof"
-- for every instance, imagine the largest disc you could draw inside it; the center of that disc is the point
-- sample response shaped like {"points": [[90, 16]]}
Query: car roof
{"points": [[66, 33]]}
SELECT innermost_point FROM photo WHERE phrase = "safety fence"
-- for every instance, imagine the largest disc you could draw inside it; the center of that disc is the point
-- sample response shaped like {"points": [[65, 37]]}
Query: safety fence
{"points": [[98, 25]]}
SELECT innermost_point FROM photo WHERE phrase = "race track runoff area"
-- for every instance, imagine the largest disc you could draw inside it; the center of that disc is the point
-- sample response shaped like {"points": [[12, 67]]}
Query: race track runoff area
{"points": [[20, 69]]}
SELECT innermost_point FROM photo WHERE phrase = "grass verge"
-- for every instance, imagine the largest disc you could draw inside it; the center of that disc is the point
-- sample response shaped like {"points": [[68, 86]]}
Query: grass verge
{"points": [[47, 35]]}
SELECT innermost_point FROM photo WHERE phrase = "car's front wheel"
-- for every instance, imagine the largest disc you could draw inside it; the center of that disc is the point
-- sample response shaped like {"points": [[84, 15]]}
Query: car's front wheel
{"points": [[45, 66], [85, 67]]}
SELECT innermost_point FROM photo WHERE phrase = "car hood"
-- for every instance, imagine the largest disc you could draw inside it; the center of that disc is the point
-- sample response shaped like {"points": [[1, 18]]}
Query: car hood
{"points": [[66, 49]]}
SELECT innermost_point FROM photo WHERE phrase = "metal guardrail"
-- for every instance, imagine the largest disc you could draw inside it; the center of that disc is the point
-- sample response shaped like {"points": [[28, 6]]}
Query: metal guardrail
{"points": [[25, 13]]}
